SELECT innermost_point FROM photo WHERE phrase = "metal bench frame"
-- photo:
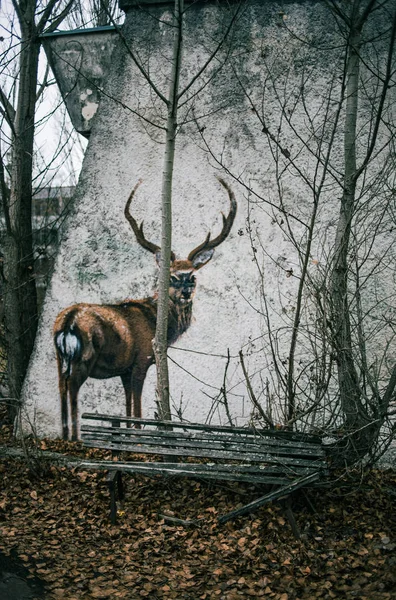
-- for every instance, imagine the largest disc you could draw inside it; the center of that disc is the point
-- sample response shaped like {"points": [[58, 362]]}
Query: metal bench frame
{"points": [[285, 460]]}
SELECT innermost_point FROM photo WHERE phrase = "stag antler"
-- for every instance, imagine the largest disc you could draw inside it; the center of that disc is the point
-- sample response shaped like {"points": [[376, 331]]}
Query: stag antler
{"points": [[209, 244], [138, 231]]}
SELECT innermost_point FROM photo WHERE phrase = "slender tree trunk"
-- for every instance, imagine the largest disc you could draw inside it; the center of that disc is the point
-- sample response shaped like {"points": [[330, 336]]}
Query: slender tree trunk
{"points": [[161, 336], [356, 418], [20, 300], [347, 376]]}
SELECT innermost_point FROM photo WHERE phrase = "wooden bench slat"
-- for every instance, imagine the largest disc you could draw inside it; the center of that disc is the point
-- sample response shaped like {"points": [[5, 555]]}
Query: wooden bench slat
{"points": [[260, 452], [196, 452], [283, 491], [278, 434], [201, 467], [198, 471], [257, 441]]}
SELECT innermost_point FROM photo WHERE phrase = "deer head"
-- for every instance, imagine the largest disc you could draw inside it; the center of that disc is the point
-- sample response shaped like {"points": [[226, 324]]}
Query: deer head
{"points": [[182, 279]]}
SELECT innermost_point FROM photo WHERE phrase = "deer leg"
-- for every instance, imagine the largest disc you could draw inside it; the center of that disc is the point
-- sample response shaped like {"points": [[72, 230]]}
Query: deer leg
{"points": [[75, 382], [138, 377], [126, 379], [63, 399], [73, 393], [137, 388]]}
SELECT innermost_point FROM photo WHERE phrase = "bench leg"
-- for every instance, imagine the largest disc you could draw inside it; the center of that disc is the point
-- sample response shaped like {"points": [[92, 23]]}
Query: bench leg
{"points": [[120, 487], [291, 518], [111, 482]]}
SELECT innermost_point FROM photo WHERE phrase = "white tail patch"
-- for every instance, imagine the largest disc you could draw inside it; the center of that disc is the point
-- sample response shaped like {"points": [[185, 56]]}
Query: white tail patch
{"points": [[69, 347]]}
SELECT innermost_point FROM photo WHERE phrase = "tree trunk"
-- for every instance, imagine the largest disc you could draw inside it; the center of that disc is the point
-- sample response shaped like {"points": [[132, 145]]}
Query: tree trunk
{"points": [[161, 335], [356, 419], [20, 300]]}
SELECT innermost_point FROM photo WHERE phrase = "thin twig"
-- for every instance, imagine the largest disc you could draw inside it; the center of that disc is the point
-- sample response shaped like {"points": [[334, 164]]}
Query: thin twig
{"points": [[252, 396]]}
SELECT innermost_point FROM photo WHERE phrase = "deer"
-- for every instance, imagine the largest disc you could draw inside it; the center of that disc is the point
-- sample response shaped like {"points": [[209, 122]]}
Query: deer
{"points": [[102, 341]]}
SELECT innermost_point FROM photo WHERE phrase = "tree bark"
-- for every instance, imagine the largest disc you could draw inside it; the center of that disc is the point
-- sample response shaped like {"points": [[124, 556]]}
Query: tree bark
{"points": [[20, 299], [161, 336], [358, 424]]}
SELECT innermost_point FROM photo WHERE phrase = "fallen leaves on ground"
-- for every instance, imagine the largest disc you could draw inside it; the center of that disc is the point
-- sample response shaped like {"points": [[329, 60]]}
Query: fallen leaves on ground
{"points": [[58, 525]]}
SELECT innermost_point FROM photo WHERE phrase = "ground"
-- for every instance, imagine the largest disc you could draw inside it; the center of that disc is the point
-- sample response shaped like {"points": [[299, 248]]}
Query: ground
{"points": [[55, 520]]}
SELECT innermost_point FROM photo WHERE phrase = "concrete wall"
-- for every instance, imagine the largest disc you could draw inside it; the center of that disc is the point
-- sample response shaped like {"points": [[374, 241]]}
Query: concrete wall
{"points": [[99, 260]]}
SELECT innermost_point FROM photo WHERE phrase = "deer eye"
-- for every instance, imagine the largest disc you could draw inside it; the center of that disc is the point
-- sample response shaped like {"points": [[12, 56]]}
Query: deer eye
{"points": [[175, 282]]}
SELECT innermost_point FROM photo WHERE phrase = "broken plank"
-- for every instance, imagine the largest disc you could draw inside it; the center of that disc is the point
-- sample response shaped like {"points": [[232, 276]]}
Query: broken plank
{"points": [[275, 495]]}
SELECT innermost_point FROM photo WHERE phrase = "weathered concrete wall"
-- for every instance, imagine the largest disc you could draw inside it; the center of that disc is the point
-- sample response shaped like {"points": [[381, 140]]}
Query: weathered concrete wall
{"points": [[99, 260]]}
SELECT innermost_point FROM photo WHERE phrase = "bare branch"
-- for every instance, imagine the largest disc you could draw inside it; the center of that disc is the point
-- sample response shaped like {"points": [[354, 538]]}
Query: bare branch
{"points": [[18, 11], [212, 56], [45, 15], [9, 111], [389, 392], [4, 195], [58, 20], [252, 396], [44, 83], [332, 4], [381, 103], [136, 60], [371, 6]]}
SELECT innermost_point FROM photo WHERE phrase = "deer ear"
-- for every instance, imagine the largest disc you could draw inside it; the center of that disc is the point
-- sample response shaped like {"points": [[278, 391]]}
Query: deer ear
{"points": [[158, 258], [202, 258]]}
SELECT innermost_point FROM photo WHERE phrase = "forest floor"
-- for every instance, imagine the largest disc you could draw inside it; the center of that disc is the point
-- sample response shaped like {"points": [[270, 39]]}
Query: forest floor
{"points": [[54, 520]]}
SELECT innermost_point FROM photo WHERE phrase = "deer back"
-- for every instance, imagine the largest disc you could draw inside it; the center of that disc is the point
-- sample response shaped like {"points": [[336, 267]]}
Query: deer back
{"points": [[108, 338]]}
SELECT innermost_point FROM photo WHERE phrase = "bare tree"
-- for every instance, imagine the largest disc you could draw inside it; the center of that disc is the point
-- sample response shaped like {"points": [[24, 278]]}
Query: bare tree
{"points": [[18, 106], [360, 420], [27, 171], [161, 333]]}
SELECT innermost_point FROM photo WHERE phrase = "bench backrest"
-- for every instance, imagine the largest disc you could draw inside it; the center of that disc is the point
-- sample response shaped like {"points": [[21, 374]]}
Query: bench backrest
{"points": [[287, 451]]}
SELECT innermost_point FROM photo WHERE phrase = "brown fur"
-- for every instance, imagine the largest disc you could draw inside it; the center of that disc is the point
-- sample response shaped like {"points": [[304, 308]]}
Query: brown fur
{"points": [[115, 340]]}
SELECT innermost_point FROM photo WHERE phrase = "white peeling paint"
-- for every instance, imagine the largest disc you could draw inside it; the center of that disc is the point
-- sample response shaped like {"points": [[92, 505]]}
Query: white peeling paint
{"points": [[89, 110]]}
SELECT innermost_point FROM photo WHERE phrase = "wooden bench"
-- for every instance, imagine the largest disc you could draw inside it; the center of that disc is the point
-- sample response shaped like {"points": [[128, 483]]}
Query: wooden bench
{"points": [[287, 461]]}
